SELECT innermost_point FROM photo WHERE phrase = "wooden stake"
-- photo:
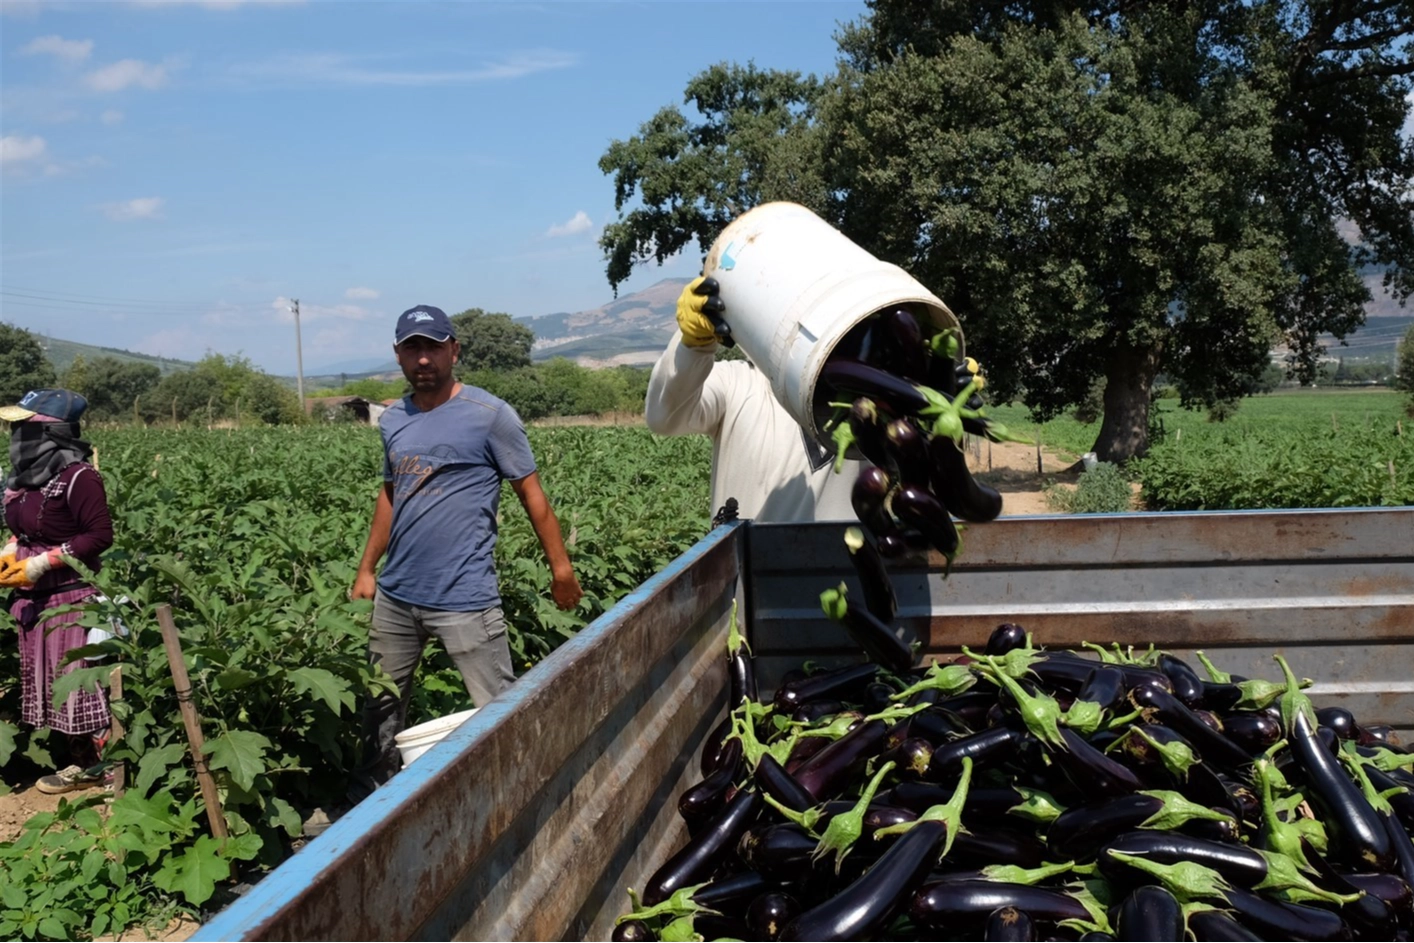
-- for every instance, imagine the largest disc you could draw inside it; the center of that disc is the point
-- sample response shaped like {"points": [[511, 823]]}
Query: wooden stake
{"points": [[115, 694], [191, 721]]}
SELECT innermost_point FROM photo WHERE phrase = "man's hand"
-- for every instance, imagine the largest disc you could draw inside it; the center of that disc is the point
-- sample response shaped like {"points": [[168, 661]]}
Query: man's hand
{"points": [[697, 301], [364, 587], [564, 589]]}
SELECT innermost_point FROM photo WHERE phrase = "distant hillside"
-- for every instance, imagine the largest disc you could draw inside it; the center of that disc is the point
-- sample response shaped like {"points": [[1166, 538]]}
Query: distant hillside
{"points": [[61, 354], [631, 329]]}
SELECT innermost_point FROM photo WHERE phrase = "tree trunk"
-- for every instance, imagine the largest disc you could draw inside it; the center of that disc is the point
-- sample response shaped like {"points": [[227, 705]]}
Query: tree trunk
{"points": [[1124, 432]]}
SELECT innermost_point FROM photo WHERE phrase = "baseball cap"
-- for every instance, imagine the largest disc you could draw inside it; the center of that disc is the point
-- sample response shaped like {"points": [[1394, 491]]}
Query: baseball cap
{"points": [[63, 405], [426, 321]]}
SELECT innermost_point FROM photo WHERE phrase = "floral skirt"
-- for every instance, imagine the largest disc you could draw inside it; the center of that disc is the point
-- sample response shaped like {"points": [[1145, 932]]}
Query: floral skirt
{"points": [[43, 644]]}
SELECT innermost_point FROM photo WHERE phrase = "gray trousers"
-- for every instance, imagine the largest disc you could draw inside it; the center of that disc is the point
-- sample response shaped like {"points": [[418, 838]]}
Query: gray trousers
{"points": [[477, 644]]}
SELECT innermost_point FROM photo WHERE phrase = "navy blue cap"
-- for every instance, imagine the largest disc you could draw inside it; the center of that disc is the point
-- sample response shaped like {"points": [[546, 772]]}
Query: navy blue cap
{"points": [[63, 405], [426, 321]]}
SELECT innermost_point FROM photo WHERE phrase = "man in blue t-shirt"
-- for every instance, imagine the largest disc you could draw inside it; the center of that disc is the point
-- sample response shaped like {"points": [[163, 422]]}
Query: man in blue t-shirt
{"points": [[446, 449]]}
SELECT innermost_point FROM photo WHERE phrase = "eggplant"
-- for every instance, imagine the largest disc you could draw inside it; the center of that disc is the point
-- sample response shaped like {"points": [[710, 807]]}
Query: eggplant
{"points": [[1150, 913], [783, 853], [935, 726], [811, 711], [1215, 926], [987, 748], [1004, 638], [695, 862], [1358, 837], [843, 684], [870, 499], [1009, 925], [944, 904], [773, 780], [870, 843], [732, 893], [955, 487], [1390, 888], [1105, 686], [701, 802], [824, 773], [1254, 731], [741, 677], [1238, 864], [865, 433], [870, 901], [853, 378], [1061, 671], [908, 452], [991, 845], [1093, 771], [1339, 720], [1401, 802], [716, 747], [878, 696], [769, 913], [1187, 686], [1376, 735], [901, 346], [1211, 745], [873, 576], [632, 931], [1079, 832], [867, 631], [918, 508], [970, 707], [912, 756], [1403, 847], [1281, 921]]}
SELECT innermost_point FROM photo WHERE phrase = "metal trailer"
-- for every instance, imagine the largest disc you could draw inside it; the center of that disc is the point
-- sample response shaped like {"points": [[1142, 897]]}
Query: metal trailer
{"points": [[530, 820]]}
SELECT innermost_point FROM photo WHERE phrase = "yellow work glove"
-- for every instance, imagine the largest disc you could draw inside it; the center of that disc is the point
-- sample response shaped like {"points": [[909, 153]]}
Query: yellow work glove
{"points": [[695, 305], [12, 572]]}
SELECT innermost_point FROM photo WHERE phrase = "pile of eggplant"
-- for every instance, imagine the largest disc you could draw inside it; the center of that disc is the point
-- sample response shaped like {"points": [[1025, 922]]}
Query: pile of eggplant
{"points": [[903, 402], [1021, 793]]}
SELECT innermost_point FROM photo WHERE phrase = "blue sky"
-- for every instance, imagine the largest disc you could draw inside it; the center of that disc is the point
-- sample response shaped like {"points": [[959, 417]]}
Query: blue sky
{"points": [[172, 173]]}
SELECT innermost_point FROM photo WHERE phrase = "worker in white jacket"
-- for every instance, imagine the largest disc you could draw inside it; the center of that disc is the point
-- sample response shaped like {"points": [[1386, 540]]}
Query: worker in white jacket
{"points": [[760, 455]]}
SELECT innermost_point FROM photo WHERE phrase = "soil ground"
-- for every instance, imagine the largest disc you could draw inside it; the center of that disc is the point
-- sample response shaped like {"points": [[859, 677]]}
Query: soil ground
{"points": [[1008, 467]]}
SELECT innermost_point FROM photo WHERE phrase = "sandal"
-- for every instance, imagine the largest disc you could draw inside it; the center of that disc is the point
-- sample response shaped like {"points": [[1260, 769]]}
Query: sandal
{"points": [[68, 779]]}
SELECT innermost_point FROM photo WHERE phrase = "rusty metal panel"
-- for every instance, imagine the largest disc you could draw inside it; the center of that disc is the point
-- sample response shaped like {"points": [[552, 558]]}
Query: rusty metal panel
{"points": [[1332, 590], [530, 820]]}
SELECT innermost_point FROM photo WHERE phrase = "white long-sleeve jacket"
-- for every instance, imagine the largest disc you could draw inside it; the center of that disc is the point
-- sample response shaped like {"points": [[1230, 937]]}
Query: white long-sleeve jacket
{"points": [[760, 456]]}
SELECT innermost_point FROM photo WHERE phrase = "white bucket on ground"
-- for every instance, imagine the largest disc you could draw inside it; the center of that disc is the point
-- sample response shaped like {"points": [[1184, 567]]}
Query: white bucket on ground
{"points": [[415, 741], [793, 287]]}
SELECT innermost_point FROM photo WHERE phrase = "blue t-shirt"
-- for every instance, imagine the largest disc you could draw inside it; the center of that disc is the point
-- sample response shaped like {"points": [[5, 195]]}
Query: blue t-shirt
{"points": [[446, 467]]}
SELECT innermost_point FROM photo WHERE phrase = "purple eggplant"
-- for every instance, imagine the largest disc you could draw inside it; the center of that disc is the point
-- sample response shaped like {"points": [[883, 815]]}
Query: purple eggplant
{"points": [[873, 575], [852, 378], [875, 637], [1254, 731], [1215, 926], [870, 499], [945, 904], [907, 447], [1079, 832], [919, 509], [1009, 925], [901, 348], [1150, 913], [823, 775], [632, 931], [1187, 686], [988, 748], [783, 853], [1339, 720], [1211, 745], [769, 913], [773, 780], [695, 862], [701, 802], [844, 684], [955, 487], [1093, 771], [1004, 638]]}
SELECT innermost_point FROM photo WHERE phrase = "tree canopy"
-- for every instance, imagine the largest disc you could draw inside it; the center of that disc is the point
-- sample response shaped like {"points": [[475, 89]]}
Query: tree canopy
{"points": [[1100, 191], [492, 340], [23, 366]]}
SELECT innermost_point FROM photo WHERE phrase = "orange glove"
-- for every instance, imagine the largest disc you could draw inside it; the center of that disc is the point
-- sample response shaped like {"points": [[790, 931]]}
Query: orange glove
{"points": [[12, 572]]}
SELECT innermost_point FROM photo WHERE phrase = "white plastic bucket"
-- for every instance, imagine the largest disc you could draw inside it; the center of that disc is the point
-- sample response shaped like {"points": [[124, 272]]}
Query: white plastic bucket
{"points": [[415, 741], [793, 287]]}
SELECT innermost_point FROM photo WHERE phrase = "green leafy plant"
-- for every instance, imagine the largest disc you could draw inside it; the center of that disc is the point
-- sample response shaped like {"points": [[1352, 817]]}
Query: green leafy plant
{"points": [[1103, 489]]}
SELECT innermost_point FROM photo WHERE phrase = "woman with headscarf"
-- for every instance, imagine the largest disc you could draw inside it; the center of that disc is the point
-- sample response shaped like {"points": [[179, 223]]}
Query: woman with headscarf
{"points": [[57, 509]]}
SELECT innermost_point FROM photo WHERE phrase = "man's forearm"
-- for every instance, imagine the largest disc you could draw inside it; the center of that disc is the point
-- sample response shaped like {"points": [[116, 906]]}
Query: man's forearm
{"points": [[378, 532]]}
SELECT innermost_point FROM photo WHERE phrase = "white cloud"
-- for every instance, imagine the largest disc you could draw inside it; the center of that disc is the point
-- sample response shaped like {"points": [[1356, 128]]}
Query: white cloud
{"points": [[71, 50], [143, 207], [15, 148], [577, 224], [127, 73], [334, 69], [316, 312], [362, 293], [111, 116]]}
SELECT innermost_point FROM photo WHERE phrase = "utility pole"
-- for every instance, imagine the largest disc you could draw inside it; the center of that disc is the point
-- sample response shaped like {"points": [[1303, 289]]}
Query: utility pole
{"points": [[299, 354]]}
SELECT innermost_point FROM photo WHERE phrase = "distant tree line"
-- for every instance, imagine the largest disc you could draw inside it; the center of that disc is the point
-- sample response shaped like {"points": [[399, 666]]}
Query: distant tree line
{"points": [[216, 388]]}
